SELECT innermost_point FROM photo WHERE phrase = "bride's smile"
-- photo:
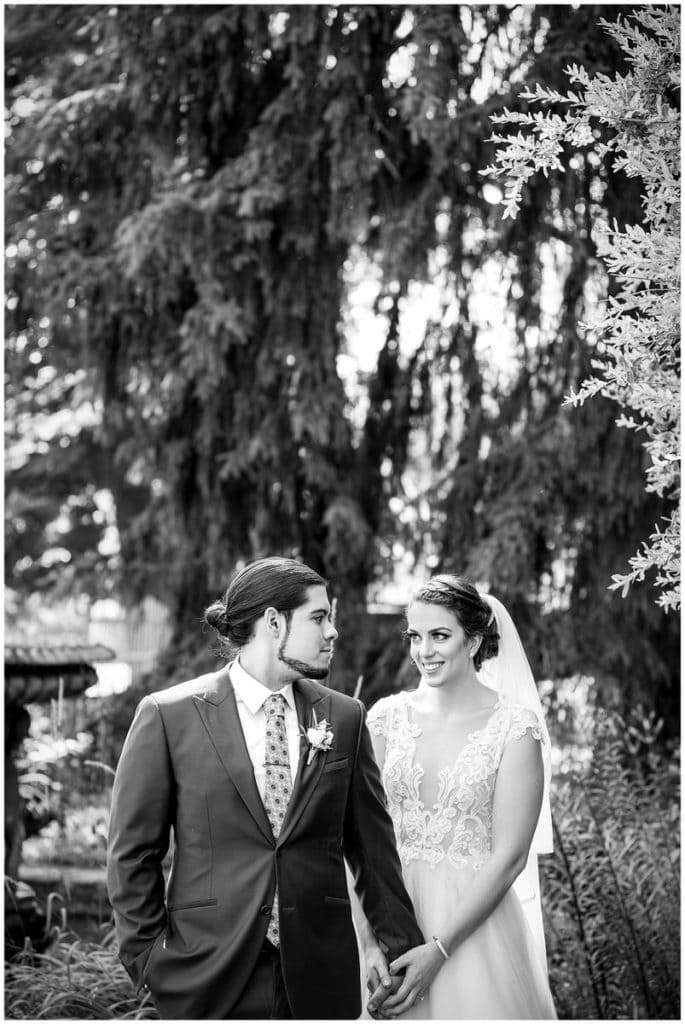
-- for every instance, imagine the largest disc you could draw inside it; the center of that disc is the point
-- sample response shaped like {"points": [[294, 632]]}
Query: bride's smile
{"points": [[442, 651]]}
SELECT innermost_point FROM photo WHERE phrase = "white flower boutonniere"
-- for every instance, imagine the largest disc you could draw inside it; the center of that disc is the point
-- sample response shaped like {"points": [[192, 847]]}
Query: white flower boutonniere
{"points": [[319, 736]]}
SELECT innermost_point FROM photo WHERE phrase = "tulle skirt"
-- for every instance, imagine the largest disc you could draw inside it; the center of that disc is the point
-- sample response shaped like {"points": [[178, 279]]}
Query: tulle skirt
{"points": [[496, 973]]}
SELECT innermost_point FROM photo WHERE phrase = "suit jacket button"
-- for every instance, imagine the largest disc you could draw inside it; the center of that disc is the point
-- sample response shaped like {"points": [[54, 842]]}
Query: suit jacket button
{"points": [[265, 910]]}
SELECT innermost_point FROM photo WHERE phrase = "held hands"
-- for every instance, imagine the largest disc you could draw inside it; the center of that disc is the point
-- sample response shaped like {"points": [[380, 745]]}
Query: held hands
{"points": [[420, 966], [378, 980]]}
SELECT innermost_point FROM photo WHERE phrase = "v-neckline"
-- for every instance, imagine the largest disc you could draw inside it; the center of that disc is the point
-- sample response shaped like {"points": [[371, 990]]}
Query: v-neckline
{"points": [[417, 731]]}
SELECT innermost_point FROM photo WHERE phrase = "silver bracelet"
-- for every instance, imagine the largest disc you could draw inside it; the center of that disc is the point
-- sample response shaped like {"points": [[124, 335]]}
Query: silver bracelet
{"points": [[441, 947]]}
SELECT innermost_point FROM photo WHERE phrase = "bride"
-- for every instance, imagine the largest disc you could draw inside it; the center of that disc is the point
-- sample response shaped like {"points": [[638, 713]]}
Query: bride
{"points": [[465, 766]]}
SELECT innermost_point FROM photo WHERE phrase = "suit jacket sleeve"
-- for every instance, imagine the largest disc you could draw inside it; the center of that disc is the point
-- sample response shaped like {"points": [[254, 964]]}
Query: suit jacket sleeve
{"points": [[139, 833], [371, 852]]}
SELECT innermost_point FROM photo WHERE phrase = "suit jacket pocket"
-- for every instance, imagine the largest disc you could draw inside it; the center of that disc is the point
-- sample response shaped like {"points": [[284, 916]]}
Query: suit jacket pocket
{"points": [[336, 766], [158, 944], [192, 905], [337, 901]]}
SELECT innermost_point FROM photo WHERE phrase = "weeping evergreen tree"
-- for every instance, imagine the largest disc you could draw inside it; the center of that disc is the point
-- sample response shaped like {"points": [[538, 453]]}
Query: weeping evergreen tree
{"points": [[187, 189]]}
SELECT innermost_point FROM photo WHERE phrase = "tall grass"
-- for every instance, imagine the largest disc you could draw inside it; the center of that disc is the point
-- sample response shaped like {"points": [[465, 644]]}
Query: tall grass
{"points": [[611, 890], [74, 980]]}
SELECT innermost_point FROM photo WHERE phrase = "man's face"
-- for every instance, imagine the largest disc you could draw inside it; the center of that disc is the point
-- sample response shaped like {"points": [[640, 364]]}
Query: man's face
{"points": [[307, 647]]}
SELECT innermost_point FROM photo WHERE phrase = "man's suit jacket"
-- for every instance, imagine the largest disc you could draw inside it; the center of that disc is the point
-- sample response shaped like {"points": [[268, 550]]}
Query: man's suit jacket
{"points": [[185, 767]]}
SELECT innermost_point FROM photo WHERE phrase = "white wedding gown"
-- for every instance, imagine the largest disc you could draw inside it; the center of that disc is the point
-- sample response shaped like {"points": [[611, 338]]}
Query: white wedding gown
{"points": [[440, 800]]}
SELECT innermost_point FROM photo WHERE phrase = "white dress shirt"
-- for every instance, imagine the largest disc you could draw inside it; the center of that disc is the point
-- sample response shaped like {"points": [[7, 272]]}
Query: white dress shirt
{"points": [[250, 695]]}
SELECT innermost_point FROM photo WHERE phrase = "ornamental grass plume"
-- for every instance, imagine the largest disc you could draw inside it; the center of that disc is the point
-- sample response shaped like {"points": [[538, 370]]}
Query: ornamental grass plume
{"points": [[75, 980], [611, 891]]}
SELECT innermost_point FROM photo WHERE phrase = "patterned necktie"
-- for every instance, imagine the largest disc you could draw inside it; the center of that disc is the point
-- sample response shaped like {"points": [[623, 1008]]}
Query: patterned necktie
{"points": [[279, 784]]}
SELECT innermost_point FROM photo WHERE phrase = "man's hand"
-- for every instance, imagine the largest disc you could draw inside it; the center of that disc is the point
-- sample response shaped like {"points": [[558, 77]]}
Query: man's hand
{"points": [[380, 994], [416, 970], [378, 980], [377, 974]]}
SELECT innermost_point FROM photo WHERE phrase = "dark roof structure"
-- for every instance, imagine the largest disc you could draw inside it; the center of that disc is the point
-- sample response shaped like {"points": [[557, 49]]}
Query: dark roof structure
{"points": [[38, 673]]}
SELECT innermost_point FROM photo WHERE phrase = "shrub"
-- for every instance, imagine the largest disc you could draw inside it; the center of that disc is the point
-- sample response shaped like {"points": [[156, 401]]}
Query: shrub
{"points": [[75, 980], [611, 891], [639, 328]]}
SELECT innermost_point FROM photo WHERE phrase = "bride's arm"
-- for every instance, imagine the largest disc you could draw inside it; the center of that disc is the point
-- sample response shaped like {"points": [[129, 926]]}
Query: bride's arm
{"points": [[516, 806]]}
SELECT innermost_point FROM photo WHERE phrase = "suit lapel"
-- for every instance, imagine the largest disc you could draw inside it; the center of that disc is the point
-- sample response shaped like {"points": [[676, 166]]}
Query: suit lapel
{"points": [[219, 713], [308, 701]]}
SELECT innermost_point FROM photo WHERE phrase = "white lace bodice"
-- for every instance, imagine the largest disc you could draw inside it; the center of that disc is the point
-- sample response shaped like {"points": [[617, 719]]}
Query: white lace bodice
{"points": [[458, 824]]}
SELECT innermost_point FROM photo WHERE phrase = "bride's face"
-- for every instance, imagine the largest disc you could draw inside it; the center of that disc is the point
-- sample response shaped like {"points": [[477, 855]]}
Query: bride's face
{"points": [[437, 643]]}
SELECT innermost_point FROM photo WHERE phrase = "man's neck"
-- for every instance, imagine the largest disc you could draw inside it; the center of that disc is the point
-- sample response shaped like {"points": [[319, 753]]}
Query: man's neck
{"points": [[273, 676]]}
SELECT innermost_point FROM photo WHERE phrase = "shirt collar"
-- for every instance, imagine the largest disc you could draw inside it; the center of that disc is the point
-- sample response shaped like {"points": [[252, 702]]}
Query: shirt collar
{"points": [[253, 693]]}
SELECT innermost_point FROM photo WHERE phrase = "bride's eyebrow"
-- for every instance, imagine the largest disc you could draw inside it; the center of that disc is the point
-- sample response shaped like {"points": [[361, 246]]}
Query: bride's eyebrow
{"points": [[437, 629]]}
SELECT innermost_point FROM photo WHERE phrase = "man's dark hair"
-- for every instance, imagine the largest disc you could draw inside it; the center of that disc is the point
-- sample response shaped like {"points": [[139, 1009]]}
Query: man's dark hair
{"points": [[279, 583]]}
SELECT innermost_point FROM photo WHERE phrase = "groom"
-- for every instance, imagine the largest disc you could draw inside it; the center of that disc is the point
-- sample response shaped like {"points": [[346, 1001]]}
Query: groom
{"points": [[267, 780]]}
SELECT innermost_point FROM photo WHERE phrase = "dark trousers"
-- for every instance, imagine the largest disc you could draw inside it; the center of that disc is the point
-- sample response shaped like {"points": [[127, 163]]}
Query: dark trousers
{"points": [[264, 997]]}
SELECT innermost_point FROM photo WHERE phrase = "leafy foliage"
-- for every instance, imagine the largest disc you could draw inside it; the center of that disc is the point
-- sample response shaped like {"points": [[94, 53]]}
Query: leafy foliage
{"points": [[639, 326], [611, 888]]}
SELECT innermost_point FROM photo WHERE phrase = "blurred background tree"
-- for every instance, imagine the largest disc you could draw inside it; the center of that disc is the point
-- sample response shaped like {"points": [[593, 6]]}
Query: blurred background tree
{"points": [[193, 193]]}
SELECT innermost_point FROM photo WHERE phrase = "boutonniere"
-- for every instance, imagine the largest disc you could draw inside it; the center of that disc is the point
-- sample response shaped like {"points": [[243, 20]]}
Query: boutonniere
{"points": [[319, 736]]}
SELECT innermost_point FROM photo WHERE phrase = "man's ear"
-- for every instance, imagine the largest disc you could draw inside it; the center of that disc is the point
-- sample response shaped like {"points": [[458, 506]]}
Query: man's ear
{"points": [[272, 620]]}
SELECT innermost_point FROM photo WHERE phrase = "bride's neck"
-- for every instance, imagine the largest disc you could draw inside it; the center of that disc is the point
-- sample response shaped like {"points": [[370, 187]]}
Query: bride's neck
{"points": [[460, 693]]}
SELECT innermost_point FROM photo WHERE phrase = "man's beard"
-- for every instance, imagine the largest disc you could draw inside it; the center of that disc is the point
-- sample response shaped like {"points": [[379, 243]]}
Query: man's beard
{"points": [[303, 670]]}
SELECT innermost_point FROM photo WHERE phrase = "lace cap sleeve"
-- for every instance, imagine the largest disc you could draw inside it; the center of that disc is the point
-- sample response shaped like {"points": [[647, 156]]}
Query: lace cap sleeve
{"points": [[377, 718], [521, 721]]}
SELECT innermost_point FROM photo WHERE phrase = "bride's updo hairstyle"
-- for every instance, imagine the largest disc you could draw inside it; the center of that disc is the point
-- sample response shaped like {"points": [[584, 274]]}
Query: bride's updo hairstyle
{"points": [[474, 615], [280, 583]]}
